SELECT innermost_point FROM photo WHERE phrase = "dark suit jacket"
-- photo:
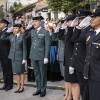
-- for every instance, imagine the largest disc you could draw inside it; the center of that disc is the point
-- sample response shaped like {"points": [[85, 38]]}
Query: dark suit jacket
{"points": [[4, 46], [69, 46], [79, 53], [92, 66]]}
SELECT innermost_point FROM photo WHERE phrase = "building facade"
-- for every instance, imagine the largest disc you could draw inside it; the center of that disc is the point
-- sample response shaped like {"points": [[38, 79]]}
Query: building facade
{"points": [[3, 3]]}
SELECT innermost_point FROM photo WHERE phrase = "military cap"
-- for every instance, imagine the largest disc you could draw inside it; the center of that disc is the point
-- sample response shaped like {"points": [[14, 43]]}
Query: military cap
{"points": [[4, 21], [84, 13], [71, 17], [38, 18], [96, 13], [17, 25]]}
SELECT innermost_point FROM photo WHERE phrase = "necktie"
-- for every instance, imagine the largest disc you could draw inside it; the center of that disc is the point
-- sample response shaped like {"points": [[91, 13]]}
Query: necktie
{"points": [[15, 37], [36, 30], [94, 34]]}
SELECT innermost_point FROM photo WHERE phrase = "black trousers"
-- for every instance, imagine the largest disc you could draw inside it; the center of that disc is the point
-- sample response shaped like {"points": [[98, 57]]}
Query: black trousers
{"points": [[84, 88], [7, 72], [94, 90]]}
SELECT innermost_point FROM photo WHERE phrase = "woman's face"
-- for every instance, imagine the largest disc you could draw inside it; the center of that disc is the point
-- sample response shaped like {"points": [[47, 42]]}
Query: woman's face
{"points": [[15, 30], [68, 23]]}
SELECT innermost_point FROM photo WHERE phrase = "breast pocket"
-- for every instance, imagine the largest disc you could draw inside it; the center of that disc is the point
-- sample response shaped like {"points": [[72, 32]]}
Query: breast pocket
{"points": [[96, 50], [41, 38]]}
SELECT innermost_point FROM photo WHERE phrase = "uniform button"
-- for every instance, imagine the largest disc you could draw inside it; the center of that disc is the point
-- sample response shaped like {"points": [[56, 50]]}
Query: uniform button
{"points": [[77, 43], [76, 48], [35, 40], [75, 54], [97, 47]]}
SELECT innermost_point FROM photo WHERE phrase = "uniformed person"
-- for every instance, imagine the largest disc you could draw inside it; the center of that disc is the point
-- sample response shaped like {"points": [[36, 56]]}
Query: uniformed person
{"points": [[79, 53], [5, 62], [69, 47], [40, 47], [92, 66], [17, 55]]}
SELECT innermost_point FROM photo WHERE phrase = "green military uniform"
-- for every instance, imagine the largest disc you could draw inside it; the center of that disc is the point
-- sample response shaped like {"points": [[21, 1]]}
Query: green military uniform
{"points": [[40, 46]]}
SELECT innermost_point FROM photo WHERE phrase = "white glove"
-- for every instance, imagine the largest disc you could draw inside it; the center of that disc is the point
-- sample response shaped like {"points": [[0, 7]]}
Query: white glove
{"points": [[9, 29], [46, 60], [71, 70], [74, 22], [23, 62], [29, 25], [85, 22]]}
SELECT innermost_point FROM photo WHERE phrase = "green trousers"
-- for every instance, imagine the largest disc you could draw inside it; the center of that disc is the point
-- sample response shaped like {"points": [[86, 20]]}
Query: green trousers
{"points": [[40, 72]]}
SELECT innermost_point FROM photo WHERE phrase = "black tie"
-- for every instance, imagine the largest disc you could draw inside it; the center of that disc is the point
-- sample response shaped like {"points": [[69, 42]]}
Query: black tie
{"points": [[94, 34]]}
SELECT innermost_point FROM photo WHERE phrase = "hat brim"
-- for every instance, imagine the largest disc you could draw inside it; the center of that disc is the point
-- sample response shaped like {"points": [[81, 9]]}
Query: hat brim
{"points": [[38, 18]]}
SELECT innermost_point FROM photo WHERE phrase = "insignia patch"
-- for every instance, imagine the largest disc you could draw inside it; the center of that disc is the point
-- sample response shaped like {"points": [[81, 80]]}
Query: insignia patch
{"points": [[88, 38], [98, 44], [41, 34]]}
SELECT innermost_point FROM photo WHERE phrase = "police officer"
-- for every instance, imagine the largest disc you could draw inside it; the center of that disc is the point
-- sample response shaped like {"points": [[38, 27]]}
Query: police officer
{"points": [[5, 62], [79, 53], [40, 46], [92, 66]]}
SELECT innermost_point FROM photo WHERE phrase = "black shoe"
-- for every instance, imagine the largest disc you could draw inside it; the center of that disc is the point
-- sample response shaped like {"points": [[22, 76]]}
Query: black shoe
{"points": [[20, 91], [37, 93], [3, 88], [42, 94], [8, 88], [17, 91]]}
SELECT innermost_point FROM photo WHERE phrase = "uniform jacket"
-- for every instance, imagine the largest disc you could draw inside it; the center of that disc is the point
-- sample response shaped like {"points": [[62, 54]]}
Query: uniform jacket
{"points": [[18, 49], [92, 66], [4, 46], [79, 53], [40, 44], [69, 47]]}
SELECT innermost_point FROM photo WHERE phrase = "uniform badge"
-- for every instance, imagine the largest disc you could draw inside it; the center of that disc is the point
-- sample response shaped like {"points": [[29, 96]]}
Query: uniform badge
{"points": [[41, 34], [88, 38], [97, 44]]}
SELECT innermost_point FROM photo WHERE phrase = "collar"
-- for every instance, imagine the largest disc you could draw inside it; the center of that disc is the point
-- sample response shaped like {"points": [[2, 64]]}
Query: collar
{"points": [[38, 29], [18, 34], [4, 29], [97, 31]]}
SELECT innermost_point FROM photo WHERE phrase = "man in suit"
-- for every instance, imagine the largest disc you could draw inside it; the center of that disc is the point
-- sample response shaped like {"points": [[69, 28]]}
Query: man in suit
{"points": [[40, 47], [5, 62], [92, 66]]}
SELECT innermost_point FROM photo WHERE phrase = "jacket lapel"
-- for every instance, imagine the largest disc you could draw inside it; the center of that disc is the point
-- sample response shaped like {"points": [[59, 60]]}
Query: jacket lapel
{"points": [[40, 31], [97, 37]]}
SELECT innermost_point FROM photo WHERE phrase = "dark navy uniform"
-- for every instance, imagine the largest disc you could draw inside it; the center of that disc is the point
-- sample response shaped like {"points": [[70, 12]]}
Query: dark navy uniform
{"points": [[79, 56], [5, 62]]}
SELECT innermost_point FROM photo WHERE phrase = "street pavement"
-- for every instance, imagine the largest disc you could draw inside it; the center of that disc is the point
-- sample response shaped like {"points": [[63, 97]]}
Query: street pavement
{"points": [[27, 94], [55, 91]]}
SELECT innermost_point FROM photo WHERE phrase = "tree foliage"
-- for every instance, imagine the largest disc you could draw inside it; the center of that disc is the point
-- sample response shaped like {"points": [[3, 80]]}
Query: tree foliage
{"points": [[66, 5], [15, 7]]}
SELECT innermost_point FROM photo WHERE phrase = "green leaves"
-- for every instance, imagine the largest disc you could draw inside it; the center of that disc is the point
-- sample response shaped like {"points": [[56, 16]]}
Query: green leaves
{"points": [[66, 5], [16, 6]]}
